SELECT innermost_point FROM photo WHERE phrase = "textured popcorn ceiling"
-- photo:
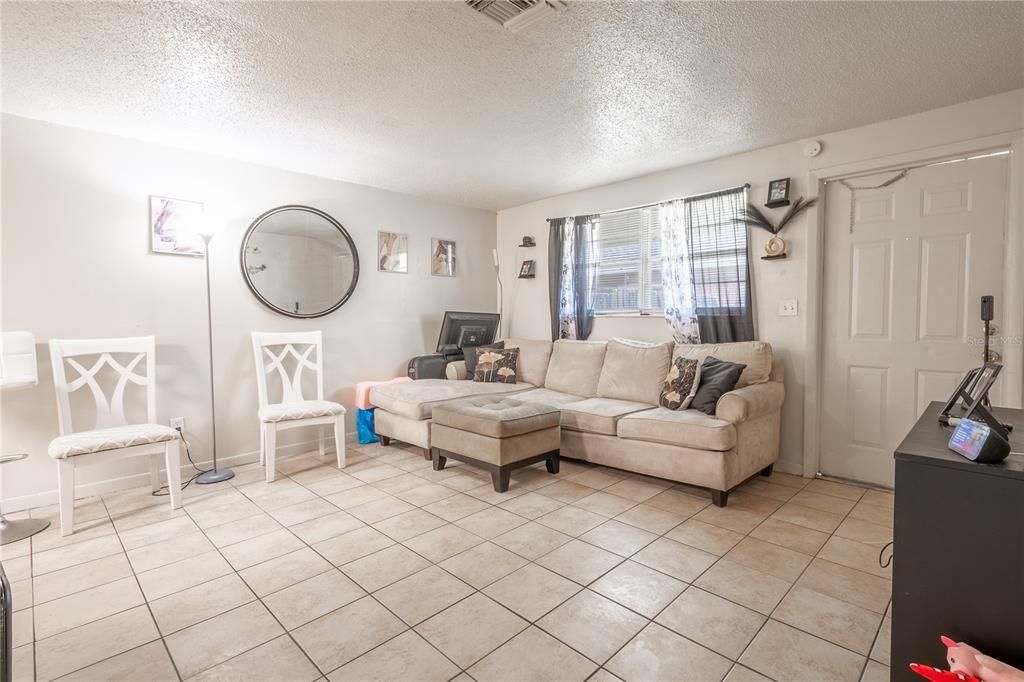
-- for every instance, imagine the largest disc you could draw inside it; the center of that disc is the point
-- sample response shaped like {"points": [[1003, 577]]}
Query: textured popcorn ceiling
{"points": [[436, 100]]}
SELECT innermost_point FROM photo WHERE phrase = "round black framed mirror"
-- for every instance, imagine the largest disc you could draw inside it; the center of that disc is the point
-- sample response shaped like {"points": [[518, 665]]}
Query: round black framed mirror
{"points": [[299, 261]]}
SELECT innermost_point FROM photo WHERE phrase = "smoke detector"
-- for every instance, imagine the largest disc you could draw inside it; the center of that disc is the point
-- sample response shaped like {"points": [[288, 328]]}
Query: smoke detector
{"points": [[515, 15]]}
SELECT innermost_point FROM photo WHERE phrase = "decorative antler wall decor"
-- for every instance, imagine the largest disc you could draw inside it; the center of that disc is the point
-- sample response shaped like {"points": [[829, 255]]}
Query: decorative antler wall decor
{"points": [[776, 246]]}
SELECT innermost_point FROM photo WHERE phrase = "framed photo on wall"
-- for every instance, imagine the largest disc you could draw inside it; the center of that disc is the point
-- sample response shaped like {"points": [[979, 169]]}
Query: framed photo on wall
{"points": [[392, 252], [174, 226], [442, 257], [778, 193]]}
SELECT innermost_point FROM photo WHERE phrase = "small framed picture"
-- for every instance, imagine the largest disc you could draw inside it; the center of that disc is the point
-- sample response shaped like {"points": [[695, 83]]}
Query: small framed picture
{"points": [[778, 193], [392, 252], [528, 269], [442, 257], [174, 226]]}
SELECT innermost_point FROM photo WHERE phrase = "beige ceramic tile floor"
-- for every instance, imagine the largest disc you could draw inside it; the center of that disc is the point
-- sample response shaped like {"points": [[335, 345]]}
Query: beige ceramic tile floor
{"points": [[392, 571]]}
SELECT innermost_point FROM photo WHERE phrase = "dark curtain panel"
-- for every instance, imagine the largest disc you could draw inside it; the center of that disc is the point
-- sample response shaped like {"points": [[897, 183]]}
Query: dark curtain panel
{"points": [[720, 267], [583, 273], [556, 250]]}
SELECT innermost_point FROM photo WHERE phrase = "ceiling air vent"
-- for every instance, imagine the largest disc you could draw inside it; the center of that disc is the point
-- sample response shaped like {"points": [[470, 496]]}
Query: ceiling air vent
{"points": [[515, 15]]}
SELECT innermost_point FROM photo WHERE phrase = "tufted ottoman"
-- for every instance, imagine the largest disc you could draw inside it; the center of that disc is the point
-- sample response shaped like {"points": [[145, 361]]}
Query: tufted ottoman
{"points": [[495, 433]]}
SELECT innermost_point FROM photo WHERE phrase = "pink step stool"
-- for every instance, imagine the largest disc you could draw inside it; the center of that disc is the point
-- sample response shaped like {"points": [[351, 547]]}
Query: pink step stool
{"points": [[363, 391]]}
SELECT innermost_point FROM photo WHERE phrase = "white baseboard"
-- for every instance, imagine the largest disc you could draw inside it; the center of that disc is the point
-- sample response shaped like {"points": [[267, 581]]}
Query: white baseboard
{"points": [[110, 485]]}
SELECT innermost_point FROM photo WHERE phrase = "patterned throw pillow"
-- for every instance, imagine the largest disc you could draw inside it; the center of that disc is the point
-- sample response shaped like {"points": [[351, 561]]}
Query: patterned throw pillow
{"points": [[680, 384], [496, 365]]}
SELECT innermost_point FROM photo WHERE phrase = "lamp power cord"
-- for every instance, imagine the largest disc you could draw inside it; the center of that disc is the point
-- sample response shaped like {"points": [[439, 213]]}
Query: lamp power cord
{"points": [[164, 491]]}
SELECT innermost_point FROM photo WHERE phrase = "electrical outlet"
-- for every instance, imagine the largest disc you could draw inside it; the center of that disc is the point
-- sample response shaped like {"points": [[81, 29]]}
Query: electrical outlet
{"points": [[177, 423], [788, 308]]}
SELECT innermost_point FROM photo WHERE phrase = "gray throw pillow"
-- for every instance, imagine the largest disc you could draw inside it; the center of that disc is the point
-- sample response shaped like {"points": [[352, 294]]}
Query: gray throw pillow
{"points": [[470, 355], [717, 377]]}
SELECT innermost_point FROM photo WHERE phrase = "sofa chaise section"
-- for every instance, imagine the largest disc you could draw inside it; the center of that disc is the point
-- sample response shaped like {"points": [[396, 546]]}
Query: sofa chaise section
{"points": [[405, 407]]}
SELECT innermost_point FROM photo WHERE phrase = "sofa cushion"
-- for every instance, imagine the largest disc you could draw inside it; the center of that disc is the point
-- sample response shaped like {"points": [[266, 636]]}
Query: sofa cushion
{"points": [[717, 377], [756, 355], [575, 367], [471, 353], [687, 428], [634, 370], [681, 384], [495, 416], [546, 396], [497, 365], [533, 359], [416, 399], [598, 415]]}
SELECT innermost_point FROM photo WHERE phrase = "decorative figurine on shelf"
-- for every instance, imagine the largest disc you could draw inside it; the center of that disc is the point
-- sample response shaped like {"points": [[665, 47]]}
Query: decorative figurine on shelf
{"points": [[776, 246]]}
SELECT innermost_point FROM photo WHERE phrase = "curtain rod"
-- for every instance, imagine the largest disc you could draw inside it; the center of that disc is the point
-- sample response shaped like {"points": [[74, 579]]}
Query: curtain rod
{"points": [[691, 196]]}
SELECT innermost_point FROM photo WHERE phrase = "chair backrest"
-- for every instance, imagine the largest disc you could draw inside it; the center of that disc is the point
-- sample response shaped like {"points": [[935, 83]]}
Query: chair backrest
{"points": [[17, 360], [109, 410], [273, 350]]}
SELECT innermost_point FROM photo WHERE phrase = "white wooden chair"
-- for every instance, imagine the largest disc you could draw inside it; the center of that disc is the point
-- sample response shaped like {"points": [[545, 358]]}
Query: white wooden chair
{"points": [[112, 437], [272, 351]]}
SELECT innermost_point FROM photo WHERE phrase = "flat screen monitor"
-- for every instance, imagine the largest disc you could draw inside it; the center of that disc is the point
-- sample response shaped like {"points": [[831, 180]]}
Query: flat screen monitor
{"points": [[467, 329]]}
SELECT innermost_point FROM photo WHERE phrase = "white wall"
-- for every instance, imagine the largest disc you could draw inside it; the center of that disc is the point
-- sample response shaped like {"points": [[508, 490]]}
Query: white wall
{"points": [[526, 301], [76, 264]]}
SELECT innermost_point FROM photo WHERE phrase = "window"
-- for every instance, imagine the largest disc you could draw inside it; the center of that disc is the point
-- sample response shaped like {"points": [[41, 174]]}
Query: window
{"points": [[718, 252], [627, 257], [627, 262]]}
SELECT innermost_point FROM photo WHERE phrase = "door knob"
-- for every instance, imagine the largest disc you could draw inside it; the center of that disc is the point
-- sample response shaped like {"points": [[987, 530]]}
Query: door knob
{"points": [[993, 356]]}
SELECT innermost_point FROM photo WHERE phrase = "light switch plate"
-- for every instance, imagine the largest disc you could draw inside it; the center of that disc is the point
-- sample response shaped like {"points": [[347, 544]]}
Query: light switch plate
{"points": [[788, 308]]}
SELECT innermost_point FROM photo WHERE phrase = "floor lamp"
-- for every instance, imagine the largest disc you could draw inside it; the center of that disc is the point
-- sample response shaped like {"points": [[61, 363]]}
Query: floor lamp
{"points": [[214, 475]]}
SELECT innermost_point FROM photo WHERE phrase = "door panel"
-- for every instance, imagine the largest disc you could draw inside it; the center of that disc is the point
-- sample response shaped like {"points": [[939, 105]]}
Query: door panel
{"points": [[903, 282]]}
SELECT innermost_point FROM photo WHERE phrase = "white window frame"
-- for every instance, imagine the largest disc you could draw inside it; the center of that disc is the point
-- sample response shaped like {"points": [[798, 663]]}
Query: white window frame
{"points": [[653, 226]]}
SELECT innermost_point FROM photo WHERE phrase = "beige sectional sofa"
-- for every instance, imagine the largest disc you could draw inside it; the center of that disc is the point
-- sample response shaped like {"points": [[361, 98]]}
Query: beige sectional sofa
{"points": [[607, 394]]}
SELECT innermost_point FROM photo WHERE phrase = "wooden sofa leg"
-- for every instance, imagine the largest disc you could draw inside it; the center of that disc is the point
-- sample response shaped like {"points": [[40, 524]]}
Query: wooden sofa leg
{"points": [[500, 477], [439, 460], [767, 471], [720, 497], [385, 441], [426, 454]]}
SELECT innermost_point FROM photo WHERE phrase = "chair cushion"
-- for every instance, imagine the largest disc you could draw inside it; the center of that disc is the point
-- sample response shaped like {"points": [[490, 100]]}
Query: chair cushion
{"points": [[533, 359], [305, 409], [416, 399], [100, 440], [687, 428], [575, 367], [634, 370], [495, 416], [598, 415], [756, 355]]}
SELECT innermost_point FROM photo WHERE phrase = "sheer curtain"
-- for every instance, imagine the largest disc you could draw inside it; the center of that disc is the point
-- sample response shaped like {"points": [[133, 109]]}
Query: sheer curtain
{"points": [[571, 276], [720, 267], [676, 275]]}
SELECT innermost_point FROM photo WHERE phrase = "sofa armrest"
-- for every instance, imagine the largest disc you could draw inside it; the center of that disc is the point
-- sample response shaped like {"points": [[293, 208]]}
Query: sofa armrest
{"points": [[750, 402], [456, 370]]}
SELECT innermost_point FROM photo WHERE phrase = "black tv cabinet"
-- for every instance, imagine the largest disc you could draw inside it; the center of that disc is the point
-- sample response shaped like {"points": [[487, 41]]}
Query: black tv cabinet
{"points": [[959, 548]]}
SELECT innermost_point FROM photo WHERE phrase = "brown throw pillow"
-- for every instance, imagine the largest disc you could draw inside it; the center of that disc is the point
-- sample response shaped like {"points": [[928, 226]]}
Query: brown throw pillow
{"points": [[471, 353], [496, 365], [680, 384]]}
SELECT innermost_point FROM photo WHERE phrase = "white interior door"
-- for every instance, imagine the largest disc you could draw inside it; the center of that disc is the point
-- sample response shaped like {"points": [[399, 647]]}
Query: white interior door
{"points": [[901, 314]]}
